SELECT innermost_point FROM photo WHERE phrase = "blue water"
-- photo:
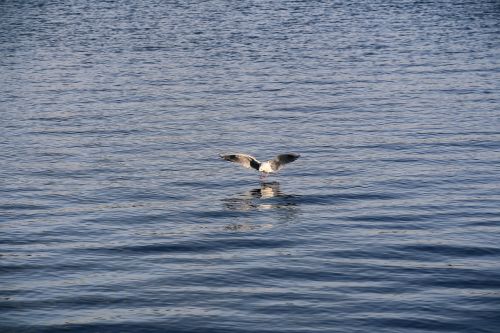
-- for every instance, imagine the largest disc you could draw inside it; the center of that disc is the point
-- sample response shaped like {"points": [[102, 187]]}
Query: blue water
{"points": [[117, 215]]}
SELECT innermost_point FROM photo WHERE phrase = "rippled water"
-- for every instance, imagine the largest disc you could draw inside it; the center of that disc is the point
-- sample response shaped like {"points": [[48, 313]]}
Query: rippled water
{"points": [[117, 215]]}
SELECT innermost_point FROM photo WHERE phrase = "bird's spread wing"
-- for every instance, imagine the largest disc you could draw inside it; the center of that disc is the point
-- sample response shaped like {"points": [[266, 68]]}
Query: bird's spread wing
{"points": [[245, 160], [280, 160]]}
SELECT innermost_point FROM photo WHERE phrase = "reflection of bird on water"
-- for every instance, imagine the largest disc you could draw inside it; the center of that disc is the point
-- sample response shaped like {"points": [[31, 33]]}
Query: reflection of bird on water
{"points": [[267, 197], [265, 168], [259, 198], [267, 190]]}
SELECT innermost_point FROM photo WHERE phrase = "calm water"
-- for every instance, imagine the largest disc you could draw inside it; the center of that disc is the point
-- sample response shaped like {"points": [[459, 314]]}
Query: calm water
{"points": [[117, 215]]}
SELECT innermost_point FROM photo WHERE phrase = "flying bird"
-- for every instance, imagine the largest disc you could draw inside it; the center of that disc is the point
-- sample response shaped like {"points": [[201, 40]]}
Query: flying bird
{"points": [[265, 168]]}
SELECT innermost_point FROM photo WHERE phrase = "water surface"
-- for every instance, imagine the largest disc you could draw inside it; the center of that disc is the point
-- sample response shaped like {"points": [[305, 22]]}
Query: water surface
{"points": [[117, 215]]}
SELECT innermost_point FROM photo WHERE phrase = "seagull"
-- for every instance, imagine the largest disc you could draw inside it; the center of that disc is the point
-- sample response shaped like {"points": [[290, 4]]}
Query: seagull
{"points": [[265, 168]]}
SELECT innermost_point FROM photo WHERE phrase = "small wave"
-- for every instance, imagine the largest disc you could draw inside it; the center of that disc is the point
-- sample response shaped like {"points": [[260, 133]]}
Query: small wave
{"points": [[201, 246], [326, 199], [453, 250]]}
